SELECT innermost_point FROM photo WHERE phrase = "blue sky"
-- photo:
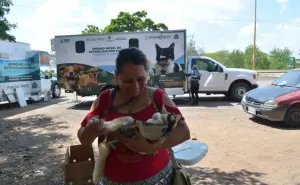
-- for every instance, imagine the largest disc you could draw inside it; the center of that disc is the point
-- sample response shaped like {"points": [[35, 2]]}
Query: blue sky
{"points": [[216, 24]]}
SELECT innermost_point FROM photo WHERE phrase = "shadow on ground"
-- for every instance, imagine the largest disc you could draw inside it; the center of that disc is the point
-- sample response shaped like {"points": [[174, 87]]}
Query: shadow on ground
{"points": [[179, 101], [29, 150], [276, 125], [208, 101], [7, 110], [85, 105], [214, 176]]}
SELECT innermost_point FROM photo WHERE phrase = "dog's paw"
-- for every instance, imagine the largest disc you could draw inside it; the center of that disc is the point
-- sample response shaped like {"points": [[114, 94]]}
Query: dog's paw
{"points": [[128, 120], [93, 120]]}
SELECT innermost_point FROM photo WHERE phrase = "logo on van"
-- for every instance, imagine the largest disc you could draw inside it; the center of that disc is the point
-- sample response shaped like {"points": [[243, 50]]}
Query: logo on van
{"points": [[176, 36], [34, 85], [159, 37], [64, 40]]}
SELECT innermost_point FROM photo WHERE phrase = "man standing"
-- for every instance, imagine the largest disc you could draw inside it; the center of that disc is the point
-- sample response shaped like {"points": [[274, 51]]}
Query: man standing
{"points": [[195, 76]]}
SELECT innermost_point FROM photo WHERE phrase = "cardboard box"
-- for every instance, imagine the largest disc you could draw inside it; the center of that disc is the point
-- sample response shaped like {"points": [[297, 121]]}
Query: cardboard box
{"points": [[79, 165]]}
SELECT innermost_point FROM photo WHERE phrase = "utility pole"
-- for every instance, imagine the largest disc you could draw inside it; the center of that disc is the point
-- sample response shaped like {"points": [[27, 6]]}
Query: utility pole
{"points": [[254, 39]]}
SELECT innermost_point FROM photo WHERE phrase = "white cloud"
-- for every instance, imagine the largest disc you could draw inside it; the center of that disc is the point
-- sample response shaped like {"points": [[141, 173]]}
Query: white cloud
{"points": [[283, 5], [283, 8], [283, 35], [64, 17], [282, 1], [179, 14], [56, 17], [248, 30]]}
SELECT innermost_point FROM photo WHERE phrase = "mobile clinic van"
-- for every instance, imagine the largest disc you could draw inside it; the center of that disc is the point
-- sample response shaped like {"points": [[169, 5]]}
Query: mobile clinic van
{"points": [[86, 62], [20, 68]]}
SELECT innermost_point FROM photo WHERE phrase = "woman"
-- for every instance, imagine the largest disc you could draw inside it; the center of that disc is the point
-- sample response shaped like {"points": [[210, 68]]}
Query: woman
{"points": [[124, 164]]}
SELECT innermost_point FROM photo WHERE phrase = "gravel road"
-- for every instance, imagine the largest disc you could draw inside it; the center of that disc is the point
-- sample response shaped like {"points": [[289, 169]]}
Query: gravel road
{"points": [[33, 141]]}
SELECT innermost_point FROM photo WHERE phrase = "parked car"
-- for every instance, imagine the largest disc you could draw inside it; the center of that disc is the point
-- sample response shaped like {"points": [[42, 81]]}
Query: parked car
{"points": [[279, 101]]}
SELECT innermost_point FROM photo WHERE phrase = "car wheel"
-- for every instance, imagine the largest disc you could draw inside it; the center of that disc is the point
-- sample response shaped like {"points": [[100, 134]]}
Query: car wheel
{"points": [[238, 90], [56, 91], [292, 116]]}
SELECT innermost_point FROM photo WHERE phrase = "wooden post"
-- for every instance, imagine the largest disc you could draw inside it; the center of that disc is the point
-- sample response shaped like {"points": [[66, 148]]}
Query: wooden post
{"points": [[254, 39]]}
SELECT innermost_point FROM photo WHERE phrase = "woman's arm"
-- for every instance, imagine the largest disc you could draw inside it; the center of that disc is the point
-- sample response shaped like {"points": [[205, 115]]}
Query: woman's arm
{"points": [[87, 135], [180, 133]]}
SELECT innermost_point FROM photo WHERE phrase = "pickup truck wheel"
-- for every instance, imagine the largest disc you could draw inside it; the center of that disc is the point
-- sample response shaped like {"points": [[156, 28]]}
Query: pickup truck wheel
{"points": [[238, 90], [56, 91], [292, 116]]}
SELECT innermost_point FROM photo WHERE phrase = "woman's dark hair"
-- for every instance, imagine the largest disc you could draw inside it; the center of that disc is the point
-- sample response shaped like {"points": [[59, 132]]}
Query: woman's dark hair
{"points": [[130, 56]]}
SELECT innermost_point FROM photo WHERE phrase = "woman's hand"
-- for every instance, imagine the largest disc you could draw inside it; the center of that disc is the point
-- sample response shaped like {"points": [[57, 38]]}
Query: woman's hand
{"points": [[139, 143]]}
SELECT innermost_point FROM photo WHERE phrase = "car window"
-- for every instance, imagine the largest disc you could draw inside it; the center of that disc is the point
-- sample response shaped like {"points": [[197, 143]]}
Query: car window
{"points": [[291, 78], [43, 75], [204, 64]]}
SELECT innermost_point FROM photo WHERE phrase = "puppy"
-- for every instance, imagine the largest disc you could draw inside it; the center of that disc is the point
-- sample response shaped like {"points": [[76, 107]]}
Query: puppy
{"points": [[154, 129]]}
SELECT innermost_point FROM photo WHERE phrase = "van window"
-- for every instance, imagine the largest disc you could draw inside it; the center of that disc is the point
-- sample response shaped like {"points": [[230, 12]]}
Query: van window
{"points": [[134, 43], [80, 46]]}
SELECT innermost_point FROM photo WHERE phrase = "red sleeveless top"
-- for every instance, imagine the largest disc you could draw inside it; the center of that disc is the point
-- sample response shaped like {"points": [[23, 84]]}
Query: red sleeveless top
{"points": [[124, 165]]}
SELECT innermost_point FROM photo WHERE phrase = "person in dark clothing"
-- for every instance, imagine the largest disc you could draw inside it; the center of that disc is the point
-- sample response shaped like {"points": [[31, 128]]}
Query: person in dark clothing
{"points": [[195, 76]]}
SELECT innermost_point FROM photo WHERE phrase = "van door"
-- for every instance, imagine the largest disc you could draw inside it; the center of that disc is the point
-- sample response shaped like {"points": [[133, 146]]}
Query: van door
{"points": [[212, 78], [45, 82]]}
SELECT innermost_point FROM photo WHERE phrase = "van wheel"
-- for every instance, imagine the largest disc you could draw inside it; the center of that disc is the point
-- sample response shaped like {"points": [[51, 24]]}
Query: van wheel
{"points": [[292, 116], [56, 91], [238, 90]]}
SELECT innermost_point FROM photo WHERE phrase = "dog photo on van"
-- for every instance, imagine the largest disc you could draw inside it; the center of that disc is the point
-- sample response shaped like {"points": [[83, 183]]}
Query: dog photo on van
{"points": [[90, 78], [70, 75]]}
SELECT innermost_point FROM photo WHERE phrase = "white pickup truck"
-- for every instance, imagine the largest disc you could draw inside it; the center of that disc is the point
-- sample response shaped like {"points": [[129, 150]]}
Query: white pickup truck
{"points": [[218, 79]]}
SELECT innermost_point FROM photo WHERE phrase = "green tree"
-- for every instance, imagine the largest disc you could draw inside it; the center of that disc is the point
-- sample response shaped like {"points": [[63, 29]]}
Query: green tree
{"points": [[236, 59], [126, 22], [5, 25], [50, 72], [262, 60], [280, 58], [91, 29], [192, 49], [221, 56]]}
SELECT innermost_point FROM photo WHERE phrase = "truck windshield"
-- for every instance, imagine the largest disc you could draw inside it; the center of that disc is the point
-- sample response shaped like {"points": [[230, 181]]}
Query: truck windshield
{"points": [[290, 79]]}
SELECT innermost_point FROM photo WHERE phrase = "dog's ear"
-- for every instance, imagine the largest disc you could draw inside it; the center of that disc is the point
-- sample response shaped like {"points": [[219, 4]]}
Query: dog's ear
{"points": [[78, 67], [62, 67]]}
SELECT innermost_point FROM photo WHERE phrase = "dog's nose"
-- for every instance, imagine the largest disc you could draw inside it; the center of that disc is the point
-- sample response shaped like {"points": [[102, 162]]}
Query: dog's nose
{"points": [[71, 73]]}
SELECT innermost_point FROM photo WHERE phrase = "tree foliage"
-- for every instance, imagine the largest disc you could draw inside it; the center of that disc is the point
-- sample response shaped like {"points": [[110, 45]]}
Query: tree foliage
{"points": [[91, 29], [126, 22], [276, 59], [5, 25], [191, 48]]}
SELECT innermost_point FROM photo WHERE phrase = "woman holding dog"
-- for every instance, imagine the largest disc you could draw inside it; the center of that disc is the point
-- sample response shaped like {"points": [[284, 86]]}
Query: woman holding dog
{"points": [[124, 164]]}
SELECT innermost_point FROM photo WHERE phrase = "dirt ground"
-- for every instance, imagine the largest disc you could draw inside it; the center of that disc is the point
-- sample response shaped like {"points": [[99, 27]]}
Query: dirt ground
{"points": [[33, 141]]}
